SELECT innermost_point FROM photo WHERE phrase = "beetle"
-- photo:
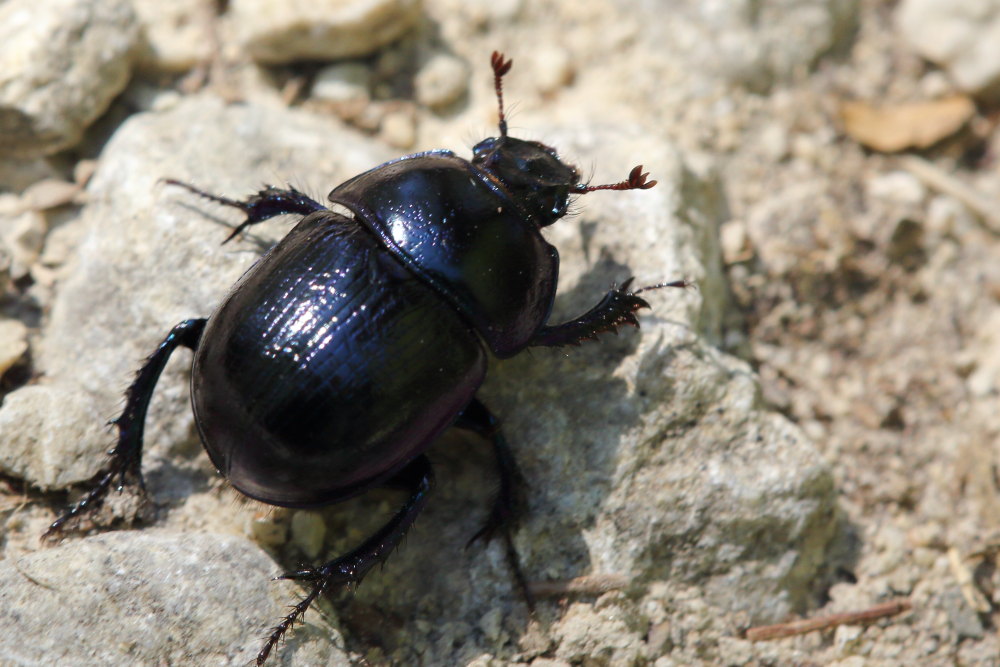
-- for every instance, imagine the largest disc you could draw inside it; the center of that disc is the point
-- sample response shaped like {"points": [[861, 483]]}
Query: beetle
{"points": [[351, 345]]}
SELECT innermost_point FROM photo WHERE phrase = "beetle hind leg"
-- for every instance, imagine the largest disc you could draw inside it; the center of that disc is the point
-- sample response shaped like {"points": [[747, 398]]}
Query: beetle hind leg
{"points": [[125, 466], [477, 418], [352, 567], [264, 205]]}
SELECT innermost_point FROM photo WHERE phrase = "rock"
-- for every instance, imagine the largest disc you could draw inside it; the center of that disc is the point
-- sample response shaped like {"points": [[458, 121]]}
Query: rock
{"points": [[150, 597], [176, 35], [442, 81], [346, 83], [962, 36], [52, 435], [22, 232], [552, 68], [647, 456], [308, 531], [13, 343], [759, 44], [16, 174], [319, 30], [589, 635], [398, 129], [61, 64]]}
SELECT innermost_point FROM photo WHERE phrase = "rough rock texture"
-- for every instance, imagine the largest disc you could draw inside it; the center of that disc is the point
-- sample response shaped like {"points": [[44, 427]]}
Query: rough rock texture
{"points": [[758, 44], [175, 35], [61, 64], [281, 32], [963, 37], [13, 343], [149, 597]]}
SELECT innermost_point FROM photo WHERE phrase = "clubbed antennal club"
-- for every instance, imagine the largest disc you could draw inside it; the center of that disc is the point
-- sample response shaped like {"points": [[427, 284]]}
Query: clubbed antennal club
{"points": [[500, 67], [636, 181]]}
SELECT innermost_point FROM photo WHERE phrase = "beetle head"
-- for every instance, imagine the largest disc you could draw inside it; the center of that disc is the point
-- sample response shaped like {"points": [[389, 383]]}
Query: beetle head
{"points": [[532, 173]]}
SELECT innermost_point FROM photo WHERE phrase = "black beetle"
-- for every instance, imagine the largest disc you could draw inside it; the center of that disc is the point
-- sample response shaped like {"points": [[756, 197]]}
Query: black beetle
{"points": [[347, 349]]}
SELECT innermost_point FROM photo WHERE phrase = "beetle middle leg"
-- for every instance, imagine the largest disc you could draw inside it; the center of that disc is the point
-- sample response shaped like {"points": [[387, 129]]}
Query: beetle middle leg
{"points": [[126, 458], [617, 308], [477, 418], [418, 477], [264, 205]]}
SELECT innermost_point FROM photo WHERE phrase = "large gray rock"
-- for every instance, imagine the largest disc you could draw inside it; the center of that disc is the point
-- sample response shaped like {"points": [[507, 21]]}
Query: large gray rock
{"points": [[61, 64], [646, 455], [146, 598]]}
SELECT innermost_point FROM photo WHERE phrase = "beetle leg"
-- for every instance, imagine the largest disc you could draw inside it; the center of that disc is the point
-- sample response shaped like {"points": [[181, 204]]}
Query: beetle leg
{"points": [[477, 418], [617, 308], [264, 205], [126, 458], [351, 568]]}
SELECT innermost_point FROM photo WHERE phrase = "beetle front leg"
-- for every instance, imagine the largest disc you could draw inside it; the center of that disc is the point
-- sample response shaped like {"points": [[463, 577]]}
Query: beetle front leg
{"points": [[617, 308], [477, 418], [418, 477], [126, 457], [264, 205]]}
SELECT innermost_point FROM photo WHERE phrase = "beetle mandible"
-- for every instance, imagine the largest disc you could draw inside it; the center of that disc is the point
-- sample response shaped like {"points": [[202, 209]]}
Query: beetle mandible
{"points": [[349, 347]]}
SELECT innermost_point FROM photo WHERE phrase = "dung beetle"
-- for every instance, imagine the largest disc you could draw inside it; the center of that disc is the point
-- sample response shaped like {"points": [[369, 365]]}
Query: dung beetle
{"points": [[348, 348]]}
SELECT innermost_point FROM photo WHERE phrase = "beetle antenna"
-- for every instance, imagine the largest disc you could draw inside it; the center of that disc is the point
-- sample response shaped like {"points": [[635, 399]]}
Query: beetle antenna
{"points": [[676, 283], [500, 67], [636, 181]]}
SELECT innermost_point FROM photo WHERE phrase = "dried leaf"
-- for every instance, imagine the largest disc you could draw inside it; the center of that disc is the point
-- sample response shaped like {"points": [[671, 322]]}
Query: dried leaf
{"points": [[897, 128]]}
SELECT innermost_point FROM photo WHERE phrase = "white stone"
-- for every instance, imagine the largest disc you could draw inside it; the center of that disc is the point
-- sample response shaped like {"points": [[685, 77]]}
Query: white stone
{"points": [[177, 35], [282, 32], [441, 81], [61, 64], [343, 82], [962, 36], [13, 343]]}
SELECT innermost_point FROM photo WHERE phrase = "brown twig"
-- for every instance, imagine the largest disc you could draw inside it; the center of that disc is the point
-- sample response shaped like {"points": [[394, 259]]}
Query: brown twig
{"points": [[891, 608], [940, 180], [593, 584]]}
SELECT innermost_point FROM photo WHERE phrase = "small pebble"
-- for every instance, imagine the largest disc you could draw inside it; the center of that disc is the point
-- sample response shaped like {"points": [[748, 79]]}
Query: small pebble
{"points": [[442, 81], [13, 343], [308, 532], [344, 82], [268, 528], [552, 69], [399, 129]]}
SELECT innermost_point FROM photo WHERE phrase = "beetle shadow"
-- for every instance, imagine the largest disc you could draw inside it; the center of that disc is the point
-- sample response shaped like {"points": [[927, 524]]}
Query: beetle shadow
{"points": [[216, 215]]}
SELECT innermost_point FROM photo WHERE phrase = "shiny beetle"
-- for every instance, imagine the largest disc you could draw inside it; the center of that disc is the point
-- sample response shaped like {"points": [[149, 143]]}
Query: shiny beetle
{"points": [[337, 360]]}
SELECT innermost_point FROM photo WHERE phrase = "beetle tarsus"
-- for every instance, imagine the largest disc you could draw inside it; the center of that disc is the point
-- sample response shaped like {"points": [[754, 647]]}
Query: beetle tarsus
{"points": [[125, 467], [351, 568], [263, 205], [616, 309]]}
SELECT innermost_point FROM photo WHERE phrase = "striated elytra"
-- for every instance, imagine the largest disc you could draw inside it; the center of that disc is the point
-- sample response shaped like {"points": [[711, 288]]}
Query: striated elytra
{"points": [[342, 354]]}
